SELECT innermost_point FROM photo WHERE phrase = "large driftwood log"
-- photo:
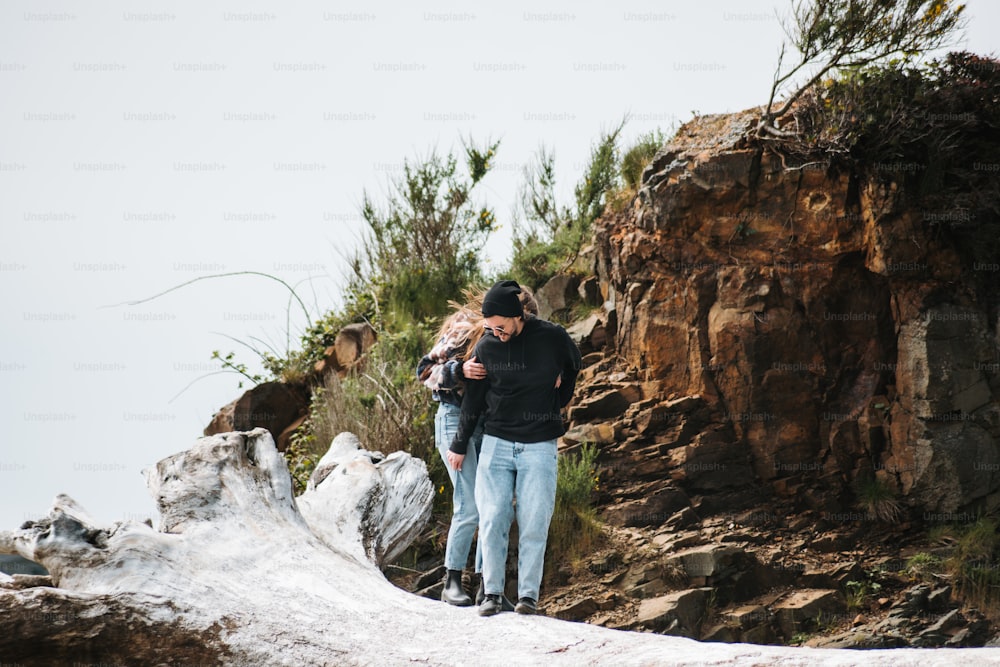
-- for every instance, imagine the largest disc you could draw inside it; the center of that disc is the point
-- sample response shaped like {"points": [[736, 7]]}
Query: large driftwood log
{"points": [[239, 572]]}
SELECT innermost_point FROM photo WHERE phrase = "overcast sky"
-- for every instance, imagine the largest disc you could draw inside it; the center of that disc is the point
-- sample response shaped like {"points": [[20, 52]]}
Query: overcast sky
{"points": [[143, 145]]}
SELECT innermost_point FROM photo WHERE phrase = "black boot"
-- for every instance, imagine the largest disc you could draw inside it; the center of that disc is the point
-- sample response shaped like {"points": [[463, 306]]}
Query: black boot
{"points": [[491, 605], [505, 604], [453, 593], [526, 606]]}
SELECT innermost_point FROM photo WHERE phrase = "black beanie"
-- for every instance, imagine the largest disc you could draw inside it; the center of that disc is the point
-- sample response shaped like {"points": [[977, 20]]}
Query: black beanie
{"points": [[503, 300]]}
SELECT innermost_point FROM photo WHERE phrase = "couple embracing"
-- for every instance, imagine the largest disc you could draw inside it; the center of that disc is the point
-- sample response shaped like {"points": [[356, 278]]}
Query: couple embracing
{"points": [[502, 380]]}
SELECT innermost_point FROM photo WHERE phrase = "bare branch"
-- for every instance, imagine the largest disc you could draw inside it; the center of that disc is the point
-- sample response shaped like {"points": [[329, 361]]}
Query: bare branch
{"points": [[216, 275]]}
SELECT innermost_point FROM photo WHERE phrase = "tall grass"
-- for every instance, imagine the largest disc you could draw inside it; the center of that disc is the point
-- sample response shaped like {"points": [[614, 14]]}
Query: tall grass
{"points": [[975, 565], [381, 402], [972, 566], [878, 499]]}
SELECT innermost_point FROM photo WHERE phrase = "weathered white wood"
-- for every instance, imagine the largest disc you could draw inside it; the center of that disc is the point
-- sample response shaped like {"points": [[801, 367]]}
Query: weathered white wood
{"points": [[362, 501], [236, 574]]}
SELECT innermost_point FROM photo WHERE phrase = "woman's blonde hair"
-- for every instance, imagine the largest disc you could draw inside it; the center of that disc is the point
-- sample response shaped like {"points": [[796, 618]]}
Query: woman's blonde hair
{"points": [[461, 326]]}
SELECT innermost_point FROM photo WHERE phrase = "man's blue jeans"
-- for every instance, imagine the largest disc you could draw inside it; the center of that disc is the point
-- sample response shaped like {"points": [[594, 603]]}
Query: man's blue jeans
{"points": [[526, 471], [465, 516]]}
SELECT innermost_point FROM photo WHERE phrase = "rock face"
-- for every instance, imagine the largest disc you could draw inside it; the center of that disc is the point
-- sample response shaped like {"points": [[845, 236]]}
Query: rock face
{"points": [[833, 330]]}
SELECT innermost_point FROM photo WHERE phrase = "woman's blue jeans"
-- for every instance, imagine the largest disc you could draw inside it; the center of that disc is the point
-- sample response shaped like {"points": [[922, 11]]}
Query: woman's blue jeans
{"points": [[528, 472], [465, 516]]}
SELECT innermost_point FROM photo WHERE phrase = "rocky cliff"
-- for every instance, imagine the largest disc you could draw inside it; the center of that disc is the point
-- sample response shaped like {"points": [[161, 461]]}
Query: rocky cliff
{"points": [[801, 328]]}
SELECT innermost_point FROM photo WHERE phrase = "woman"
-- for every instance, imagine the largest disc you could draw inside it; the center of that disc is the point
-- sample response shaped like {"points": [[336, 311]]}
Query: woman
{"points": [[444, 370], [531, 369]]}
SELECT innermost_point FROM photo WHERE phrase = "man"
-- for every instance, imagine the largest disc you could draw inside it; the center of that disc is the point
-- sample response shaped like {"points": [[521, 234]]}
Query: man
{"points": [[531, 368]]}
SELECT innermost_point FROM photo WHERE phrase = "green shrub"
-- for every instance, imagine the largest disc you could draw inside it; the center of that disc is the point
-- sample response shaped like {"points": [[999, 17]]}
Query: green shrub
{"points": [[382, 402], [575, 529], [857, 593], [924, 566], [832, 34], [640, 154], [420, 250], [550, 238], [297, 365], [535, 260], [600, 178], [421, 247]]}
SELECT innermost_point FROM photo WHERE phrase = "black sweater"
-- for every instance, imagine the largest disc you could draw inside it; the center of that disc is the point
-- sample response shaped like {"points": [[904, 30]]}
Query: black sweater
{"points": [[519, 395]]}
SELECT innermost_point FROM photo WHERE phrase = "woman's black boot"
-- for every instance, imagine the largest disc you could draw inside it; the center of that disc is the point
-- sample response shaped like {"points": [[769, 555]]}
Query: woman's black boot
{"points": [[453, 593], [480, 591]]}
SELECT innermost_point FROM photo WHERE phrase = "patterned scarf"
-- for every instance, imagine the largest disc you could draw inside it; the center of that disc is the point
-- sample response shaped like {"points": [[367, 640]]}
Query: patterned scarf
{"points": [[451, 346]]}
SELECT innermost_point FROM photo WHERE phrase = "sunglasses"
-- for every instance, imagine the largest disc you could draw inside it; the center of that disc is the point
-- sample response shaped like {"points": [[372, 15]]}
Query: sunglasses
{"points": [[496, 331]]}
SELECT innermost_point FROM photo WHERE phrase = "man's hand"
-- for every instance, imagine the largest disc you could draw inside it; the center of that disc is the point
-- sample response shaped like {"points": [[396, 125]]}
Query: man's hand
{"points": [[558, 380], [455, 460], [473, 370]]}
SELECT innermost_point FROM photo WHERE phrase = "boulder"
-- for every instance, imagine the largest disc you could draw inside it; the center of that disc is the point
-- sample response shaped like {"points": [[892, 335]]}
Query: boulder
{"points": [[939, 599], [575, 611], [589, 334], [639, 574], [655, 509], [680, 612], [720, 633], [599, 434], [708, 560], [802, 610], [830, 576], [713, 460], [271, 405], [941, 630], [857, 638], [285, 437], [759, 634], [659, 416], [608, 404], [747, 616], [590, 291], [557, 295], [649, 589]]}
